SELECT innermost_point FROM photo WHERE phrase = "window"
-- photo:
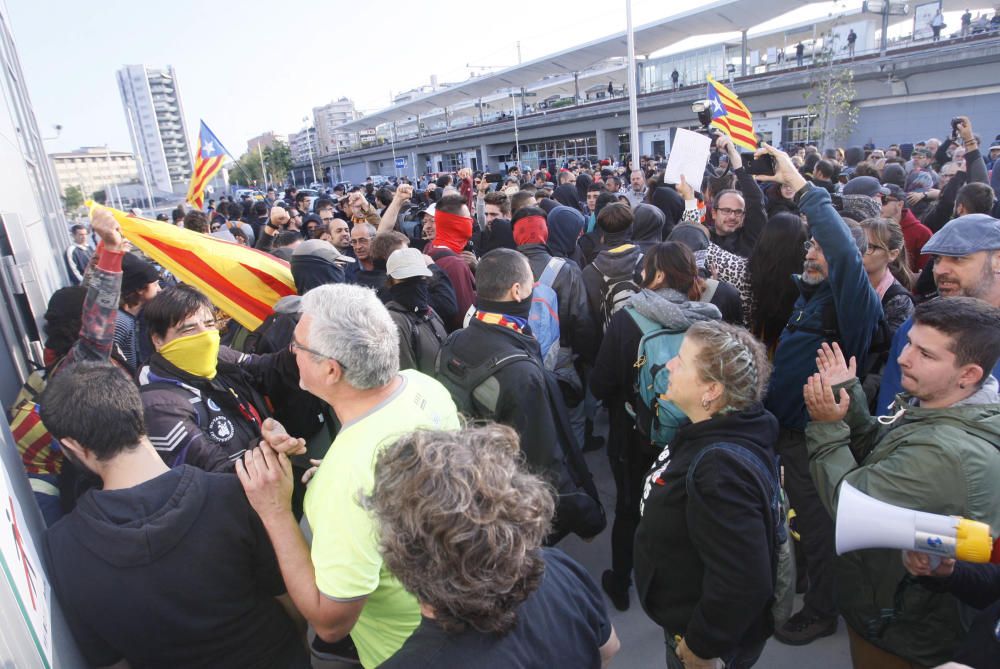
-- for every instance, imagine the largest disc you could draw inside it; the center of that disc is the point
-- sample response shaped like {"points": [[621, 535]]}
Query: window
{"points": [[800, 129]]}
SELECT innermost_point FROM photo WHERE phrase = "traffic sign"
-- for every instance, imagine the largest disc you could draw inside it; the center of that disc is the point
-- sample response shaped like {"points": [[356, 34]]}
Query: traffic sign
{"points": [[400, 163]]}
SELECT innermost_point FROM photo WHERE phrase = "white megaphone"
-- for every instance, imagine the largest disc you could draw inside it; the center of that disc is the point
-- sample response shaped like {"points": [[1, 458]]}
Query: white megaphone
{"points": [[865, 522]]}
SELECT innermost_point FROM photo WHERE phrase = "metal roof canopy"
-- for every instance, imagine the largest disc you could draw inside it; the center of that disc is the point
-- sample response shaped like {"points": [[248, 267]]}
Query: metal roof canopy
{"points": [[719, 17]]}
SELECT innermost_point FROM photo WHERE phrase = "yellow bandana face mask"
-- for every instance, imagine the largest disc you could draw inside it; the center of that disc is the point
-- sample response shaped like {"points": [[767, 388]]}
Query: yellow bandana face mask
{"points": [[196, 354]]}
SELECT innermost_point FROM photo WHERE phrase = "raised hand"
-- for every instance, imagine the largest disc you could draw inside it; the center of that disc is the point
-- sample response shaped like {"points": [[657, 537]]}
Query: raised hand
{"points": [[832, 366], [820, 402], [106, 227]]}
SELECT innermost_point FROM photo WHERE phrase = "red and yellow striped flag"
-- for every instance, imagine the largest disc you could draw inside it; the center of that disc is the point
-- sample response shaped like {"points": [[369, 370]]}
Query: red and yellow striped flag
{"points": [[207, 161], [243, 282], [730, 115]]}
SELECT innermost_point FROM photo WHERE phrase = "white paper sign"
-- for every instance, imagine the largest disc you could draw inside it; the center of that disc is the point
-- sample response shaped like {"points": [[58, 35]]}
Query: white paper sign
{"points": [[688, 156], [24, 571]]}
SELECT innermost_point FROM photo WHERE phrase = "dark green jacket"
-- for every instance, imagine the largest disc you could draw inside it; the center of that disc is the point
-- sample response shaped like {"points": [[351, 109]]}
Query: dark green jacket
{"points": [[935, 460]]}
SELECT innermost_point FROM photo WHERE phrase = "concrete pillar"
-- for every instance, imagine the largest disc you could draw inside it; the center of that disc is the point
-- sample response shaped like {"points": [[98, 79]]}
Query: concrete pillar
{"points": [[743, 54], [484, 152], [607, 144], [412, 157]]}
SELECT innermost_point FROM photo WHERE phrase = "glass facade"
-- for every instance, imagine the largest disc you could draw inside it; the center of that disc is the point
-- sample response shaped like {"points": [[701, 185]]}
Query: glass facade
{"points": [[554, 153], [692, 66]]}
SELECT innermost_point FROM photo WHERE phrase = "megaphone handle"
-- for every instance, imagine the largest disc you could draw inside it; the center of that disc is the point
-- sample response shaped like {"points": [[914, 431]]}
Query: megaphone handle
{"points": [[934, 561]]}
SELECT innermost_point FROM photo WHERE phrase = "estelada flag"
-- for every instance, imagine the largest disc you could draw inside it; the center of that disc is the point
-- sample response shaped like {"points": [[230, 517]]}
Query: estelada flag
{"points": [[243, 282], [730, 115], [207, 161]]}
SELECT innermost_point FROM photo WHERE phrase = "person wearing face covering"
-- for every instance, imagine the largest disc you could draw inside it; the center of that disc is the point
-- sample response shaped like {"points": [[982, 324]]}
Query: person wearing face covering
{"points": [[567, 196], [203, 403], [647, 226], [447, 235], [565, 226]]}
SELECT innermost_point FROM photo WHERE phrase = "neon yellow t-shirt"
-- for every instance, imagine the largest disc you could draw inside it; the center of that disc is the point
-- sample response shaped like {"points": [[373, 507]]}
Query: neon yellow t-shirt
{"points": [[345, 544]]}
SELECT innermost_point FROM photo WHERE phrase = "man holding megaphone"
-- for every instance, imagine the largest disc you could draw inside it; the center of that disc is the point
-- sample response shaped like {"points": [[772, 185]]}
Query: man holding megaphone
{"points": [[936, 453]]}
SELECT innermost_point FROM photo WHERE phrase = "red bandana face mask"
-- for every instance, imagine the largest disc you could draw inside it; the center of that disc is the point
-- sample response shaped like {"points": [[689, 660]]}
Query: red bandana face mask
{"points": [[452, 231], [531, 230]]}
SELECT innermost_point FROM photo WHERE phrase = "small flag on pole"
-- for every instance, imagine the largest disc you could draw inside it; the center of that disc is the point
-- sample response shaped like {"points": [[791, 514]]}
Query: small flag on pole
{"points": [[730, 115], [208, 160], [243, 282]]}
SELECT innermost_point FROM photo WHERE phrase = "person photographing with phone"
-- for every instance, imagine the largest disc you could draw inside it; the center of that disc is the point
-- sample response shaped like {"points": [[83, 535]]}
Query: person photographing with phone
{"points": [[833, 283]]}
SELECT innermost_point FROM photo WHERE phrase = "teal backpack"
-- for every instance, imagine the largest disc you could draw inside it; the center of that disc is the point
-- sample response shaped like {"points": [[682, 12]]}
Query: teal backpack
{"points": [[656, 418]]}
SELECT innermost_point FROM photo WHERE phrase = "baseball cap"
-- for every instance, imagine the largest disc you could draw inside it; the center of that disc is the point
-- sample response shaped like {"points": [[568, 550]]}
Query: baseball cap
{"points": [[926, 153], [994, 146], [965, 235], [429, 211], [137, 273], [865, 186], [321, 249], [406, 263], [895, 191]]}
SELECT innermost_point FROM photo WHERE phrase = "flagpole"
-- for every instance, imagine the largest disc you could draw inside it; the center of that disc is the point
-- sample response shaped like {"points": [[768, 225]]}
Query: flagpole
{"points": [[263, 172], [633, 102]]}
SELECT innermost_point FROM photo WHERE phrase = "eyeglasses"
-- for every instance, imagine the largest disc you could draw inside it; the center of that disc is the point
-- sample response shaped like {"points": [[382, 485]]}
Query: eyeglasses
{"points": [[872, 248], [730, 212], [296, 346], [810, 245]]}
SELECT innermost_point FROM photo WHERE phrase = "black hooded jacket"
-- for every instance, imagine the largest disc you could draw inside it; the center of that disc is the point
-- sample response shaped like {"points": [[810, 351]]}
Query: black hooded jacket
{"points": [[174, 572], [201, 422], [703, 566]]}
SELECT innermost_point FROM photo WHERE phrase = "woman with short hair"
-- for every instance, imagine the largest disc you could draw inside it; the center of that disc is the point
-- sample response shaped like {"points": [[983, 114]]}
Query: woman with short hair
{"points": [[704, 545], [461, 524]]}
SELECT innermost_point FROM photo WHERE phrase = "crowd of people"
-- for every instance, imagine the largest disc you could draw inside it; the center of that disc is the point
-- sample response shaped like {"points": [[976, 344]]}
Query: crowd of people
{"points": [[391, 458]]}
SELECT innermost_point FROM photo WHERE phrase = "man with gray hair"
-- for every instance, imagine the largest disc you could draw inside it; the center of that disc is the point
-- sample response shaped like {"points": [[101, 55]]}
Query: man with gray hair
{"points": [[836, 303], [636, 191], [347, 349]]}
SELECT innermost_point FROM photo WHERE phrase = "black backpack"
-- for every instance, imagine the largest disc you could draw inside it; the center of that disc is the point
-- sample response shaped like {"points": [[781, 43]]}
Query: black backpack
{"points": [[476, 392], [426, 334]]}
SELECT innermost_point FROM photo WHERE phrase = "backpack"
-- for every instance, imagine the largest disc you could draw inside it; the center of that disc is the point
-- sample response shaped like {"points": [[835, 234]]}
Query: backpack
{"points": [[427, 333], [40, 451], [616, 291], [544, 315], [475, 390], [783, 557], [656, 419]]}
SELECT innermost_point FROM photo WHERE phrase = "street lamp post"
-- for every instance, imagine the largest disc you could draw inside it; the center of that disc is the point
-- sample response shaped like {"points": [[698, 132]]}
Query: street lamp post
{"points": [[312, 160]]}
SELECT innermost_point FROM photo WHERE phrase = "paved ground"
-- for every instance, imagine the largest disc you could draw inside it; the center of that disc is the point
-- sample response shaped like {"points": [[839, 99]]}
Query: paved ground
{"points": [[641, 639]]}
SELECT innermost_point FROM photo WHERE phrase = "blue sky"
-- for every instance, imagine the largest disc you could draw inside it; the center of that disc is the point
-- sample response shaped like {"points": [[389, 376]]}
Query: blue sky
{"points": [[254, 66]]}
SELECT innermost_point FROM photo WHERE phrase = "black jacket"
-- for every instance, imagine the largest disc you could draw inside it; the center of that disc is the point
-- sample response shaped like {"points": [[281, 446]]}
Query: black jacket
{"points": [[524, 396], [745, 239], [192, 420], [977, 586], [174, 572], [703, 566]]}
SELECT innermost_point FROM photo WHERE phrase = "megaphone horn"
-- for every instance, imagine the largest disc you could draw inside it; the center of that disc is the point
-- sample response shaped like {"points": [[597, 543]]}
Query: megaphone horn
{"points": [[865, 522]]}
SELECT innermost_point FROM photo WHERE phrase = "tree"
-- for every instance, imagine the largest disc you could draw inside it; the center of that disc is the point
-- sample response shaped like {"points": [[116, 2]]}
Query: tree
{"points": [[831, 96], [99, 196], [277, 162], [72, 199]]}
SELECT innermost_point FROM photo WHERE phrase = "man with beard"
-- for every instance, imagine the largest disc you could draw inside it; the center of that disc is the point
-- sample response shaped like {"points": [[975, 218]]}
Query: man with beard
{"points": [[967, 262], [836, 303]]}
